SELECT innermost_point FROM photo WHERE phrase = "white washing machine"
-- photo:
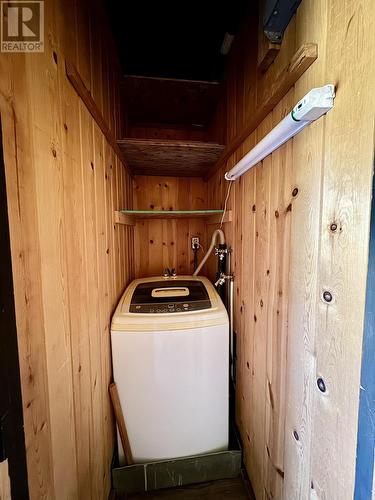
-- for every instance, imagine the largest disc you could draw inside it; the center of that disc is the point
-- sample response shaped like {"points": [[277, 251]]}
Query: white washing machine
{"points": [[170, 363]]}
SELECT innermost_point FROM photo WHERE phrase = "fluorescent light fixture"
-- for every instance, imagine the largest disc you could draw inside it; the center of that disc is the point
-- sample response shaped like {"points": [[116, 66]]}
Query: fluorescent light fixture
{"points": [[311, 107], [227, 44]]}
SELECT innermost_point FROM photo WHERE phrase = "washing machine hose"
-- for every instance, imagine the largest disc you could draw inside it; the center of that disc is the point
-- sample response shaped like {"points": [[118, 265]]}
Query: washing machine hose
{"points": [[217, 234]]}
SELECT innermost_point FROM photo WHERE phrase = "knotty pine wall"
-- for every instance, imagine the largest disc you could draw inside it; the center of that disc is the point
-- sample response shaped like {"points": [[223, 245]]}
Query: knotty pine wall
{"points": [[70, 262], [161, 243], [301, 226]]}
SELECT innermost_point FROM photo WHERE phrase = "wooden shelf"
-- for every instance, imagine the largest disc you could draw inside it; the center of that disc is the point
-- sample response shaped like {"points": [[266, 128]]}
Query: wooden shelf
{"points": [[170, 157], [129, 217]]}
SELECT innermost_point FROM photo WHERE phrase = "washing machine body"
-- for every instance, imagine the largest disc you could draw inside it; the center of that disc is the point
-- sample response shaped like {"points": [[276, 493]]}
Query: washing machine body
{"points": [[170, 364]]}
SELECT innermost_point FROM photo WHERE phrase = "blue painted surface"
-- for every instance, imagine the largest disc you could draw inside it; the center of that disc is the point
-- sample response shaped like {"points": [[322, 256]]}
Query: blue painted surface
{"points": [[366, 417]]}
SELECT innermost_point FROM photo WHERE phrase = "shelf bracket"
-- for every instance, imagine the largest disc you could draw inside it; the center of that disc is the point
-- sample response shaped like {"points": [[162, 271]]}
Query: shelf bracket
{"points": [[120, 218], [216, 219]]}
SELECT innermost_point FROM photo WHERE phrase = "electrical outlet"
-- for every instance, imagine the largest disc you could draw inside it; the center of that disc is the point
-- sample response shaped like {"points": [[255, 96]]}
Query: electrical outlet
{"points": [[194, 242]]}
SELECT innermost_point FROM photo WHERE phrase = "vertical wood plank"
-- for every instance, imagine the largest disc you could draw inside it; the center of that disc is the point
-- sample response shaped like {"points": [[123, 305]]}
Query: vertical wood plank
{"points": [[23, 225], [48, 154], [342, 270]]}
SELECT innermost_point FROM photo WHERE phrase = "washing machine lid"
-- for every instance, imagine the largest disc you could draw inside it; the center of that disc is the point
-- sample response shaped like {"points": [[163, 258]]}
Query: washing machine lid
{"points": [[169, 297], [158, 303]]}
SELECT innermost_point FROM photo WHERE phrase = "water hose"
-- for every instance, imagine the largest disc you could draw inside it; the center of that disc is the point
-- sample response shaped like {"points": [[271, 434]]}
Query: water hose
{"points": [[216, 234]]}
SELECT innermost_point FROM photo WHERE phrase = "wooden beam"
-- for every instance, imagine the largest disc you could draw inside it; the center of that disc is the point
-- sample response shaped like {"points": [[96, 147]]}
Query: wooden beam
{"points": [[300, 62], [79, 86], [120, 218], [271, 50]]}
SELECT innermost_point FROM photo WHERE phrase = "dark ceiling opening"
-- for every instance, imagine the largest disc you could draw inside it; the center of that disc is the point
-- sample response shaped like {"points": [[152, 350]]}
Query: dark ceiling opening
{"points": [[180, 40]]}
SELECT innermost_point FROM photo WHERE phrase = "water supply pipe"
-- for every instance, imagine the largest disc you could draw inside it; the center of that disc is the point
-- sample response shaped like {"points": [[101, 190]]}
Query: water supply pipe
{"points": [[230, 307], [216, 234]]}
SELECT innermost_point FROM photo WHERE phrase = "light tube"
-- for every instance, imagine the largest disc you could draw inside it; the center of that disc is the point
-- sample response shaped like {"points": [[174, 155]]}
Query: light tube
{"points": [[311, 107]]}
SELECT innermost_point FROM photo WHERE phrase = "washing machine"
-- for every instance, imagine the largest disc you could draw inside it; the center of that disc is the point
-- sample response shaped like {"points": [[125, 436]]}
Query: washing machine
{"points": [[170, 364]]}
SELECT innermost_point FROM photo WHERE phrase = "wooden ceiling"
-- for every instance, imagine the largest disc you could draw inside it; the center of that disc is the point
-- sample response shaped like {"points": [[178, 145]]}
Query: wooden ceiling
{"points": [[168, 101], [170, 157]]}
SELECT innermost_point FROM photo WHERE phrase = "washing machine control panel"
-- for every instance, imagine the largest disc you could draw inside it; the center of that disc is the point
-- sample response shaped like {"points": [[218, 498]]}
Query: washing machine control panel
{"points": [[166, 298], [174, 307]]}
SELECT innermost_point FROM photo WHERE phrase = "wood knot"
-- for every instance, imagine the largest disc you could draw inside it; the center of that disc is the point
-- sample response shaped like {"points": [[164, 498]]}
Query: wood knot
{"points": [[295, 192], [277, 214]]}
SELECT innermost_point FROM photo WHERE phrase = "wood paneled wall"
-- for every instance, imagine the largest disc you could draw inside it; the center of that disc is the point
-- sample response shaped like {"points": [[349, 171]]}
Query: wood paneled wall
{"points": [[302, 228], [70, 262], [167, 243]]}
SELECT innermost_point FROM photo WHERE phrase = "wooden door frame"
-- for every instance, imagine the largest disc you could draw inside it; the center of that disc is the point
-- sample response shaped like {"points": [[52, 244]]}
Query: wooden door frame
{"points": [[12, 439]]}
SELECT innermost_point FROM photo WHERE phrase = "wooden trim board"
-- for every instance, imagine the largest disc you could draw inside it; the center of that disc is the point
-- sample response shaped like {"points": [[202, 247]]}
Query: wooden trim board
{"points": [[119, 415]]}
